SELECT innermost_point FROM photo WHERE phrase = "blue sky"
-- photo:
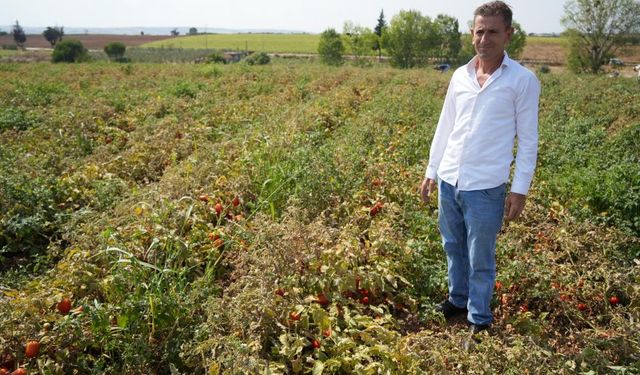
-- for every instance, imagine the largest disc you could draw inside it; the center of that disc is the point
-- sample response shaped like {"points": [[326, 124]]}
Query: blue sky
{"points": [[303, 15]]}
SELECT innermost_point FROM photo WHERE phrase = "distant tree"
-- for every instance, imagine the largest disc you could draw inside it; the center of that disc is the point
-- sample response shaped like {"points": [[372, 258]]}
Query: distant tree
{"points": [[378, 30], [359, 41], [3, 33], [448, 29], [598, 29], [115, 50], [331, 47], [53, 34], [69, 50], [175, 32], [18, 35], [410, 38], [193, 31], [518, 41]]}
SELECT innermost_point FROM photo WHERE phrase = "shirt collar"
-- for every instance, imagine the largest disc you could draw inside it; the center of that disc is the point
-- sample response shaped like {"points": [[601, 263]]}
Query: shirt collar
{"points": [[471, 65]]}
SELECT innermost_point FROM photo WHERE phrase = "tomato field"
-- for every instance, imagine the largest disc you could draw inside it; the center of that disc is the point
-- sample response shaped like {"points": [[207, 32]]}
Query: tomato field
{"points": [[232, 219]]}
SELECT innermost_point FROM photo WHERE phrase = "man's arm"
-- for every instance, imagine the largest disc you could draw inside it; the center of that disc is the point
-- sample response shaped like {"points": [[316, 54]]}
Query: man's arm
{"points": [[439, 143], [527, 152]]}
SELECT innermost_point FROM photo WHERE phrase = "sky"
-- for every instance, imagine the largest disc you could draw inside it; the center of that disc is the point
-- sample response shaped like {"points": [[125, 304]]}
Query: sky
{"points": [[540, 16]]}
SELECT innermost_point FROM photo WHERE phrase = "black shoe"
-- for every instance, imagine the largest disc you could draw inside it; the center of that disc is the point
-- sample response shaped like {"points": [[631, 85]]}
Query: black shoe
{"points": [[449, 310], [474, 329], [470, 342]]}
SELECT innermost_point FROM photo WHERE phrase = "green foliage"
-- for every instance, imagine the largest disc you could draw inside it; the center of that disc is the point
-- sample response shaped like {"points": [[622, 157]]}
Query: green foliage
{"points": [[359, 42], [331, 48], [518, 41], [15, 118], [451, 43], [115, 50], [53, 34], [217, 58], [70, 51], [410, 39], [258, 58]]}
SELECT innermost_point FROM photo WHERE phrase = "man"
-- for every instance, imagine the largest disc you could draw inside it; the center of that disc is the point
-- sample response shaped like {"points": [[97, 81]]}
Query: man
{"points": [[490, 102]]}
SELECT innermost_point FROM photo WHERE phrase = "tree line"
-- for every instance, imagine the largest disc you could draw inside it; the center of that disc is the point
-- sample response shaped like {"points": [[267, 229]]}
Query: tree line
{"points": [[596, 30]]}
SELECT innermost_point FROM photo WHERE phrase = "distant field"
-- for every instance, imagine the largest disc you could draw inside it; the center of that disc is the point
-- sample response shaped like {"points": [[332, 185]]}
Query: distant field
{"points": [[286, 43], [91, 41]]}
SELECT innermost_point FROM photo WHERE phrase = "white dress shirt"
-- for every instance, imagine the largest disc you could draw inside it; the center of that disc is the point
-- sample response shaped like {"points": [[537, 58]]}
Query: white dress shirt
{"points": [[473, 144]]}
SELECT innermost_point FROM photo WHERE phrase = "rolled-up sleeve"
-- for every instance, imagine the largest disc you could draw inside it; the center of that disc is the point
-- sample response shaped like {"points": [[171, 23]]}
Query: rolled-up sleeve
{"points": [[443, 130], [527, 135]]}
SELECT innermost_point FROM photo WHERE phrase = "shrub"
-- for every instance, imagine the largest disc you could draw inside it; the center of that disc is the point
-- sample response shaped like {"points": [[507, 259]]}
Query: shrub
{"points": [[216, 58], [69, 50], [115, 50], [258, 58], [331, 47]]}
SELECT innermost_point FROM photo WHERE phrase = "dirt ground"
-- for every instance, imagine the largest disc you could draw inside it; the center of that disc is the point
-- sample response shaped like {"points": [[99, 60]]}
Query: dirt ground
{"points": [[90, 41], [555, 53]]}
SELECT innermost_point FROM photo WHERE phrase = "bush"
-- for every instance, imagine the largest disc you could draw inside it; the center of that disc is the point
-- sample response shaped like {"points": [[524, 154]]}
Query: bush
{"points": [[331, 47], [69, 50], [258, 58], [216, 58], [115, 50]]}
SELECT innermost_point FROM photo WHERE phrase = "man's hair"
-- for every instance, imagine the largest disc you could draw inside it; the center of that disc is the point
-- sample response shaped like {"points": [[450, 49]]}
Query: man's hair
{"points": [[495, 8]]}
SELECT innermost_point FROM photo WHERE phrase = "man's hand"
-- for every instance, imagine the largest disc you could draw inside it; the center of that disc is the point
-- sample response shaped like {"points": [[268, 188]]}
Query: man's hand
{"points": [[514, 206], [427, 188]]}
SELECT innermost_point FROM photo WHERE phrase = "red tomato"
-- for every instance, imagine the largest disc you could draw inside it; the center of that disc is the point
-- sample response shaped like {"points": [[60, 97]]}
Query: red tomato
{"points": [[326, 332], [4, 371], [322, 299], [376, 208], [614, 300], [364, 300], [315, 343], [204, 198], [236, 201], [218, 207], [524, 308], [582, 307], [294, 316], [32, 349], [64, 306], [20, 371], [280, 292]]}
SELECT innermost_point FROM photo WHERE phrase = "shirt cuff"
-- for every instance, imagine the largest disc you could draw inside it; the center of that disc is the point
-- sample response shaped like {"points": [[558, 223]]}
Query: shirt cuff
{"points": [[431, 172], [519, 187]]}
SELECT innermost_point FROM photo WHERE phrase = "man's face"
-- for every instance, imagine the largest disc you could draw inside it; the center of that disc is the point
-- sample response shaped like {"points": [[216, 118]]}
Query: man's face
{"points": [[490, 36]]}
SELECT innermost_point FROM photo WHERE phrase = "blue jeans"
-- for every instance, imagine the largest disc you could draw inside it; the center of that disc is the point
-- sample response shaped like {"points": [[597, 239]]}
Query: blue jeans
{"points": [[469, 225]]}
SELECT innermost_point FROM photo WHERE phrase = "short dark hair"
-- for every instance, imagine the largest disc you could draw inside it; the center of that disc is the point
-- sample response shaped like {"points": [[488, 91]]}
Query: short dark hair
{"points": [[495, 8]]}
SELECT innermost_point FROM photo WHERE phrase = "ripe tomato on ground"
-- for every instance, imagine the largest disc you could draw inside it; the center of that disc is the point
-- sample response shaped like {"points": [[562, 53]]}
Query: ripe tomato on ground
{"points": [[315, 343], [20, 371], [32, 349], [64, 306], [294, 316], [614, 300]]}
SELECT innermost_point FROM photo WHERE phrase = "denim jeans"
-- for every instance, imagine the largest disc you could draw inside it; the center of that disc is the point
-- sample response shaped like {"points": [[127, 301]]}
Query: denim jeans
{"points": [[469, 224]]}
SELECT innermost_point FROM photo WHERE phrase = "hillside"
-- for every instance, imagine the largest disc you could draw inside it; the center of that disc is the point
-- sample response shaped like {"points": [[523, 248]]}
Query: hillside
{"points": [[219, 219]]}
